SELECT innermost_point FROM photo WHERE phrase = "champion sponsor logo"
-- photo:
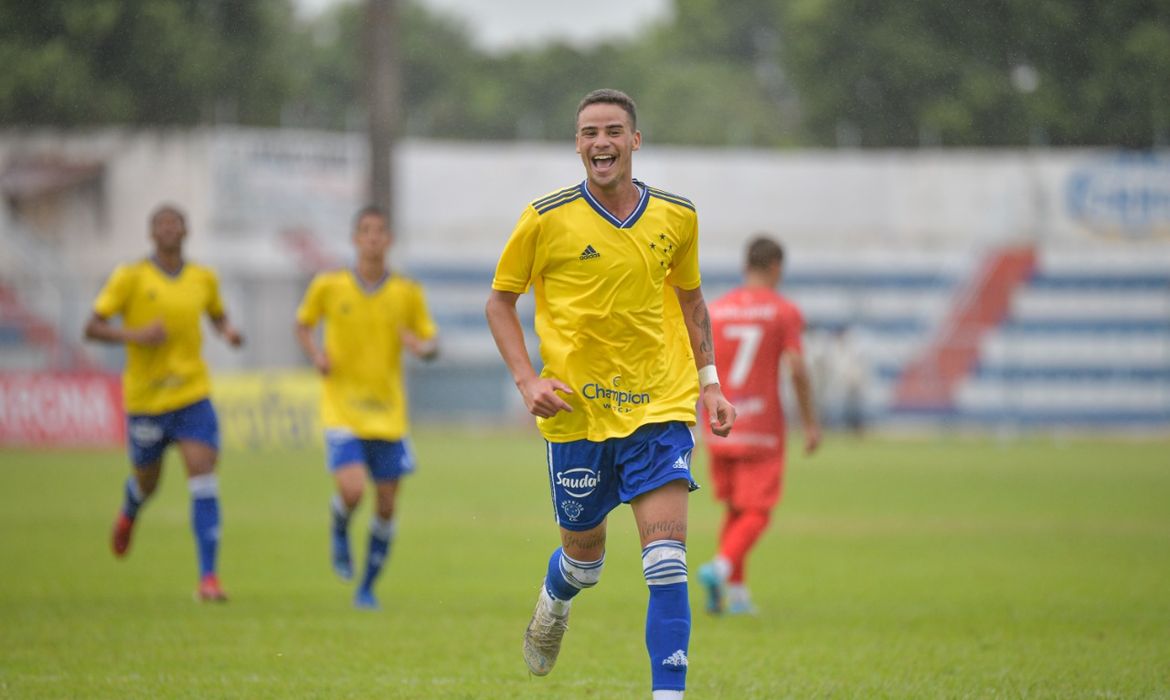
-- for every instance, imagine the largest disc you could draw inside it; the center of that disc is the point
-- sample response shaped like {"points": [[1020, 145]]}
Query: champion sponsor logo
{"points": [[145, 432], [678, 659], [170, 381], [589, 253], [615, 398], [578, 482]]}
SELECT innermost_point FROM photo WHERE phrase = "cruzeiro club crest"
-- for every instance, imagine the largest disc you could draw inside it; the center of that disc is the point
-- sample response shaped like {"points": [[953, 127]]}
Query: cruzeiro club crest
{"points": [[145, 432], [572, 509]]}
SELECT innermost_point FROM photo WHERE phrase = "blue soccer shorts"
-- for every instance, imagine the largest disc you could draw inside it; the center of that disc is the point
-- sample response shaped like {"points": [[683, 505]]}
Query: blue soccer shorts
{"points": [[589, 479], [149, 434], [386, 460]]}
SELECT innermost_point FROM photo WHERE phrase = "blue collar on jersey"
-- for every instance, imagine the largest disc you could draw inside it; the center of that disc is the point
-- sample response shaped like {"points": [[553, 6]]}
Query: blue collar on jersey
{"points": [[630, 220], [173, 275], [368, 288]]}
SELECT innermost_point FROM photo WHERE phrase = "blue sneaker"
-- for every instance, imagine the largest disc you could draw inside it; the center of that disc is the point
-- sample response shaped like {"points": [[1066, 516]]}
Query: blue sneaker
{"points": [[715, 586], [342, 564], [364, 600]]}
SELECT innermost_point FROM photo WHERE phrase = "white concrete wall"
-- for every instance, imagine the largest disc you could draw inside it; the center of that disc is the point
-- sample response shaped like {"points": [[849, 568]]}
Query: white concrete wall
{"points": [[457, 202]]}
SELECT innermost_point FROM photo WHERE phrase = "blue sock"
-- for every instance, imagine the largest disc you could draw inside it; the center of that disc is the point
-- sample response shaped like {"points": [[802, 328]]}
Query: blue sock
{"points": [[381, 535], [341, 515], [205, 519], [668, 615], [132, 497], [567, 576]]}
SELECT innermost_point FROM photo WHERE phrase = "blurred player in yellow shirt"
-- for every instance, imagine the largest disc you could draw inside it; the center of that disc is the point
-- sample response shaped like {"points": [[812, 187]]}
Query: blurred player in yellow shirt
{"points": [[623, 328], [370, 316], [161, 300]]}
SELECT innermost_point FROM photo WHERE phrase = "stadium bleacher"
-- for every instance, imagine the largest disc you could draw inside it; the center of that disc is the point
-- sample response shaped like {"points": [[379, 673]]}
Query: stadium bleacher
{"points": [[1087, 342], [1084, 338]]}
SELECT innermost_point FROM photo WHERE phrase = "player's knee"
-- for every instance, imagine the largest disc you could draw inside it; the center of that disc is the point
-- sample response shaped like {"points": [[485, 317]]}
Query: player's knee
{"points": [[385, 503], [147, 487], [350, 497], [350, 492], [146, 478], [581, 574], [351, 484], [664, 562]]}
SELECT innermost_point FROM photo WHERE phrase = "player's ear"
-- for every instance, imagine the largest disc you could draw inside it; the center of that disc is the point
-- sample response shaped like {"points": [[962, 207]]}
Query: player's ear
{"points": [[637, 140]]}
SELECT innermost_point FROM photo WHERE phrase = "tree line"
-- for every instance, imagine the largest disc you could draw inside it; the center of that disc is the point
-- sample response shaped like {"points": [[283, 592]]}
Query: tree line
{"points": [[752, 73]]}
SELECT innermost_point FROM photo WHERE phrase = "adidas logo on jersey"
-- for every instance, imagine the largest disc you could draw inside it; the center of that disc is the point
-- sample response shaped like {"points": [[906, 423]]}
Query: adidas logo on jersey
{"points": [[589, 253], [681, 463]]}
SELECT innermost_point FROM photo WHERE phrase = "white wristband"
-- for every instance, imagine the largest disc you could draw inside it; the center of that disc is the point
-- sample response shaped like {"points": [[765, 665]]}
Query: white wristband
{"points": [[708, 375]]}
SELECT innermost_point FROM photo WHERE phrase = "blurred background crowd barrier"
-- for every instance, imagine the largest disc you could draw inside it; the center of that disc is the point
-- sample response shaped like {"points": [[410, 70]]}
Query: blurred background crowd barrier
{"points": [[1003, 289]]}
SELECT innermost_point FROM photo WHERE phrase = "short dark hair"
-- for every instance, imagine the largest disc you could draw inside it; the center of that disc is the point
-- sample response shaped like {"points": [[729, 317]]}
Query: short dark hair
{"points": [[369, 210], [611, 97], [167, 209], [763, 251]]}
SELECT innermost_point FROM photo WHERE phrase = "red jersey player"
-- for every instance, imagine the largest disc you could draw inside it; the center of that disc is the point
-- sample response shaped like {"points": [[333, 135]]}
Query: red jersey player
{"points": [[755, 331]]}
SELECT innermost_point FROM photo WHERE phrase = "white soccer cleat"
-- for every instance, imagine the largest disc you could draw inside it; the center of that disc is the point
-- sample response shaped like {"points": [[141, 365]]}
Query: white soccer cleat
{"points": [[542, 639]]}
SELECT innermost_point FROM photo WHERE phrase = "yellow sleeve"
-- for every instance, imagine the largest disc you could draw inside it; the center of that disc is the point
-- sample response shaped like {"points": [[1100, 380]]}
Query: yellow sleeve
{"points": [[214, 301], [312, 305], [684, 272], [518, 265], [421, 323], [112, 298]]}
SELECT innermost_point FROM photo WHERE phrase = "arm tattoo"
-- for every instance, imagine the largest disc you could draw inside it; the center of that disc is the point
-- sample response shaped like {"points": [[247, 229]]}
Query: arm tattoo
{"points": [[706, 345]]}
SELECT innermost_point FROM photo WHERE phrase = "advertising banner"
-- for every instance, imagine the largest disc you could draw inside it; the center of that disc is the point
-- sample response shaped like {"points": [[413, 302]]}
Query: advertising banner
{"points": [[268, 410], [58, 409]]}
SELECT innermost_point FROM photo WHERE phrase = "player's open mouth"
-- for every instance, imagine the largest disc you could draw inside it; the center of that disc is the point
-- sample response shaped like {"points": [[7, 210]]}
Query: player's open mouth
{"points": [[603, 162]]}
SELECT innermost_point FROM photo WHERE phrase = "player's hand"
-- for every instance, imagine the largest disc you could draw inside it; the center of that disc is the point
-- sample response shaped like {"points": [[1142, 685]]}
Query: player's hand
{"points": [[540, 396], [720, 410], [321, 362], [153, 335], [422, 349], [812, 439], [232, 336]]}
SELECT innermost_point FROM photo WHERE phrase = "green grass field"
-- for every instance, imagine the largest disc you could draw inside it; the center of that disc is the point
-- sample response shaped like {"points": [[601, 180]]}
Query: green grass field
{"points": [[939, 569]]}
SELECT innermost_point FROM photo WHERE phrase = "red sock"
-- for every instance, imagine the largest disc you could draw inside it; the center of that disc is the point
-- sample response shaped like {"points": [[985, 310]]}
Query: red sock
{"points": [[740, 532]]}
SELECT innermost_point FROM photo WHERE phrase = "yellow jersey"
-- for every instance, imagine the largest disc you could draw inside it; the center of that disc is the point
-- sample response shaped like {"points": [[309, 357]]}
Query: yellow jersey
{"points": [[363, 392], [609, 323], [165, 377]]}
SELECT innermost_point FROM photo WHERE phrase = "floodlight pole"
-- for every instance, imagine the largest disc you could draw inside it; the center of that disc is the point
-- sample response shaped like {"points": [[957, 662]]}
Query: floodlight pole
{"points": [[382, 98]]}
